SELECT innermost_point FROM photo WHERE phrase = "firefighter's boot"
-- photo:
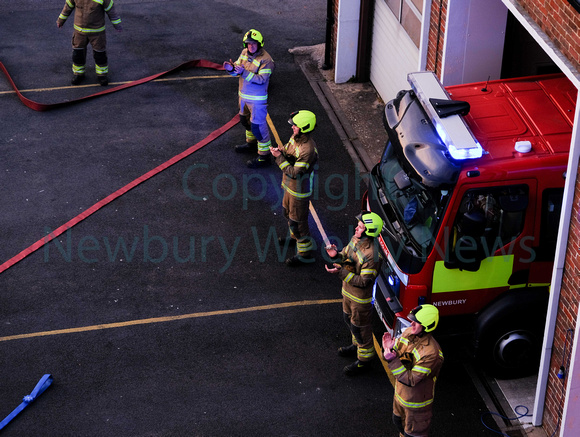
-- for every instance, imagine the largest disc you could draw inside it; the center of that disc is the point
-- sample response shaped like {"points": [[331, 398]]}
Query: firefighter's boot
{"points": [[260, 161], [357, 368], [103, 80], [247, 148], [347, 351], [300, 259], [77, 79]]}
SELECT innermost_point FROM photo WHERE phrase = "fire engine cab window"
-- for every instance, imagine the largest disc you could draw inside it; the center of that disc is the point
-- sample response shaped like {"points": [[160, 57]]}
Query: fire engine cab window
{"points": [[492, 217], [418, 208]]}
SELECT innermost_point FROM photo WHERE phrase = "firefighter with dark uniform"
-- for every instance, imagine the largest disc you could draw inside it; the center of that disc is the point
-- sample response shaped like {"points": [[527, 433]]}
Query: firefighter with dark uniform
{"points": [[415, 360], [358, 265], [297, 159], [254, 68], [89, 27]]}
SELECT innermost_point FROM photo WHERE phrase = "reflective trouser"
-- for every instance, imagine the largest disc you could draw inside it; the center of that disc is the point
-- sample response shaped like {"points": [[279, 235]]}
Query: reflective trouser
{"points": [[98, 42], [414, 422], [296, 212], [358, 317], [254, 118]]}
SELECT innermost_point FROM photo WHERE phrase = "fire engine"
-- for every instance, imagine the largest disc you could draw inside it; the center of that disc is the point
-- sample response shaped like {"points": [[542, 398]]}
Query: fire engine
{"points": [[470, 188]]}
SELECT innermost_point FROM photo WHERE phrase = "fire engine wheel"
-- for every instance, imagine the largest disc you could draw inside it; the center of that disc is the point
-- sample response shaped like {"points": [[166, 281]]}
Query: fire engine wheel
{"points": [[510, 351]]}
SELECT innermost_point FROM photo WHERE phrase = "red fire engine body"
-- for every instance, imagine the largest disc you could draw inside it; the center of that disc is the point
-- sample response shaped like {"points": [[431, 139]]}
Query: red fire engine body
{"points": [[470, 189]]}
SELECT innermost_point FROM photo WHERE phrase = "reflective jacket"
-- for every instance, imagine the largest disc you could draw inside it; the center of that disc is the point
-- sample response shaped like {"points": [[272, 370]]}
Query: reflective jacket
{"points": [[360, 266], [256, 76], [90, 15], [299, 155], [416, 368]]}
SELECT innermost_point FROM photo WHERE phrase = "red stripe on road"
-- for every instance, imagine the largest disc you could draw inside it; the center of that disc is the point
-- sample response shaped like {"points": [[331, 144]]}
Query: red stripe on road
{"points": [[6, 265]]}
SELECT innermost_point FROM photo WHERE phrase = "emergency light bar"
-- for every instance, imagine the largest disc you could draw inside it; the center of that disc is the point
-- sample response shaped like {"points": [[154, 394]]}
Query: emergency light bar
{"points": [[451, 129]]}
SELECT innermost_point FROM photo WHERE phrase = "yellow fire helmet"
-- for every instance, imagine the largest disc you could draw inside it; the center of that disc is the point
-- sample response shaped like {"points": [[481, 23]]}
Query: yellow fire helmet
{"points": [[253, 35], [373, 223], [304, 120], [426, 315]]}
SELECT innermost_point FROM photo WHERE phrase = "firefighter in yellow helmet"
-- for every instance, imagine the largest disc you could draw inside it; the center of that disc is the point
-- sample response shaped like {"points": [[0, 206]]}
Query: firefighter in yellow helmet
{"points": [[254, 67], [415, 360], [89, 28], [358, 265], [297, 159]]}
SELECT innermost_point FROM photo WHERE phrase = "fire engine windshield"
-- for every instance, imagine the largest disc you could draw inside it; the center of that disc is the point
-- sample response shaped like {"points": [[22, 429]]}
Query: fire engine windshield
{"points": [[415, 209]]}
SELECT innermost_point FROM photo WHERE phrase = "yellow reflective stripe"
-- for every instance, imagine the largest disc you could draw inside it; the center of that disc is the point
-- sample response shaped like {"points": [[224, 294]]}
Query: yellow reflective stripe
{"points": [[493, 272], [404, 403], [296, 194], [98, 1], [416, 354], [116, 21], [356, 299], [249, 77], [366, 353], [349, 277], [420, 369], [369, 272], [404, 340], [63, 17], [252, 97], [255, 62], [398, 370], [265, 71], [264, 147], [284, 165], [69, 3], [85, 30], [302, 164]]}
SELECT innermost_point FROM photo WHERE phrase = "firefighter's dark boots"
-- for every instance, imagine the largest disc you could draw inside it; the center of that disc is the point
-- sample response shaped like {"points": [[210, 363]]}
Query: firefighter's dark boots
{"points": [[260, 162], [247, 148], [300, 259], [357, 368], [77, 79], [103, 80], [347, 351]]}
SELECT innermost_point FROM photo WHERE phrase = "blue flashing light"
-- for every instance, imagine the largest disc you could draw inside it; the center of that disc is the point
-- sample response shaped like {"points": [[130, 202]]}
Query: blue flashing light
{"points": [[452, 130]]}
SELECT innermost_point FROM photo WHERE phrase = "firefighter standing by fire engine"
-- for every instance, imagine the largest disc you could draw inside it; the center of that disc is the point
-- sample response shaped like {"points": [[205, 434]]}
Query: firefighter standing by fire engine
{"points": [[358, 265], [89, 28], [254, 67], [415, 359], [297, 159]]}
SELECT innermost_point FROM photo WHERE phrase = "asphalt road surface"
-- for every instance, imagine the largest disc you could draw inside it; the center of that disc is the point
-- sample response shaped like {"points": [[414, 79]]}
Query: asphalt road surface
{"points": [[169, 311]]}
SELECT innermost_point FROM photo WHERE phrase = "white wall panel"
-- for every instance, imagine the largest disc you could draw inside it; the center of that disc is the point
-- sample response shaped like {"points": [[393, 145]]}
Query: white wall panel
{"points": [[393, 54]]}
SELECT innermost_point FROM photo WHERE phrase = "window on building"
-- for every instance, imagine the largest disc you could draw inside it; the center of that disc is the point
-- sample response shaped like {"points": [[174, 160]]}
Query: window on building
{"points": [[408, 13]]}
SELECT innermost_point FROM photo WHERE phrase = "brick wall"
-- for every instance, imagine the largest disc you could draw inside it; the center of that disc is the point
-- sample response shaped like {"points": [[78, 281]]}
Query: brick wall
{"points": [[334, 31], [565, 321], [561, 22], [436, 35]]}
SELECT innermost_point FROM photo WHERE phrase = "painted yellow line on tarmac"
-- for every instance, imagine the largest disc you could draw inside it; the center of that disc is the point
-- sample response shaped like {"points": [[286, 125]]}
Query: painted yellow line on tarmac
{"points": [[167, 79], [168, 319]]}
